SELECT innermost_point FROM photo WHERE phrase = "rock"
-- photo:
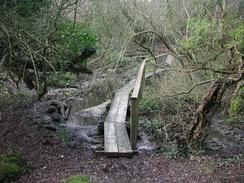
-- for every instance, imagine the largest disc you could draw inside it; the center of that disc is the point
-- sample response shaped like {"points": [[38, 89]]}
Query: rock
{"points": [[82, 133], [51, 110], [95, 111]]}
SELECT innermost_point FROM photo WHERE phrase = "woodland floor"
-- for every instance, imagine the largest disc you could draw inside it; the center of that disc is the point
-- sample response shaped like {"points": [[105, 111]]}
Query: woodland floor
{"points": [[48, 160]]}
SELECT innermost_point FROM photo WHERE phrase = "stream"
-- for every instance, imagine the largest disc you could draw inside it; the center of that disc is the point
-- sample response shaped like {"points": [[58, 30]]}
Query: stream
{"points": [[86, 114]]}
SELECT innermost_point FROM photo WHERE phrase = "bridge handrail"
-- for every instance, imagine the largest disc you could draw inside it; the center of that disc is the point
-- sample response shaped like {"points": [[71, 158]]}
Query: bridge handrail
{"points": [[135, 97]]}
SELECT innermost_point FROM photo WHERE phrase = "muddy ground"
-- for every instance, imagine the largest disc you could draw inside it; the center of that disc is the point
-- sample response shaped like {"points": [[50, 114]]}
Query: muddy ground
{"points": [[49, 160]]}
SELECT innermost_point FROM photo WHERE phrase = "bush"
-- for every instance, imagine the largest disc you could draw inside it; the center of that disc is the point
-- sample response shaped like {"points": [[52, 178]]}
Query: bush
{"points": [[76, 38]]}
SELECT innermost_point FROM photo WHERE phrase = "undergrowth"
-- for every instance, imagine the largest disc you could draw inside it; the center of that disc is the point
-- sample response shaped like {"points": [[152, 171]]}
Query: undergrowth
{"points": [[19, 99]]}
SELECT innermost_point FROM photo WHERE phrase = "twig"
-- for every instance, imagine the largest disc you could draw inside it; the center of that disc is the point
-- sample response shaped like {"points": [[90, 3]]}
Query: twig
{"points": [[190, 90]]}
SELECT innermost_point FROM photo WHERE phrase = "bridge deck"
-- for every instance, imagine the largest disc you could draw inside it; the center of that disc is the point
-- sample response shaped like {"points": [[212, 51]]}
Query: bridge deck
{"points": [[116, 139]]}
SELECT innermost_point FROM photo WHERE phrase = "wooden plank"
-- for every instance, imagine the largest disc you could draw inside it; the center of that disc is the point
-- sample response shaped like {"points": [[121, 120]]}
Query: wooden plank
{"points": [[140, 75], [113, 109], [110, 142], [123, 141], [122, 110]]}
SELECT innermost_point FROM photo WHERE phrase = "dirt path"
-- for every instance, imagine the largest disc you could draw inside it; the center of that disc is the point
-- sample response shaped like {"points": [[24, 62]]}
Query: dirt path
{"points": [[48, 160]]}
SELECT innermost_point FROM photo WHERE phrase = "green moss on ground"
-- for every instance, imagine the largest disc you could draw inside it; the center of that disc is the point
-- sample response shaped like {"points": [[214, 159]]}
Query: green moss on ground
{"points": [[77, 179], [11, 167]]}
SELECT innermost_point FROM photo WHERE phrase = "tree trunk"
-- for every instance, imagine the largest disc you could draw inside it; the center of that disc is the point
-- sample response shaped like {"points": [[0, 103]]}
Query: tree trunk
{"points": [[210, 105], [207, 109]]}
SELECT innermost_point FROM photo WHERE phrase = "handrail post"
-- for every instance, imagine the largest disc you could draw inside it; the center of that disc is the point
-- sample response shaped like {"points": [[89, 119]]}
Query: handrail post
{"points": [[134, 122], [135, 98]]}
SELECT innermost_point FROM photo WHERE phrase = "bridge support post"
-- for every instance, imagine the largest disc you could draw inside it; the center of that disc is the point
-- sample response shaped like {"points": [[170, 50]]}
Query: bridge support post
{"points": [[134, 122], [135, 98]]}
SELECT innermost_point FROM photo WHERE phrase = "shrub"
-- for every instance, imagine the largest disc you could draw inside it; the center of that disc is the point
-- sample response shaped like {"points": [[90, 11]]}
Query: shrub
{"points": [[76, 38]]}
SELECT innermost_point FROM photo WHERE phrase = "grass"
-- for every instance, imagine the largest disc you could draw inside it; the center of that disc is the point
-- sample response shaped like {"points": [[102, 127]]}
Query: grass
{"points": [[64, 135], [77, 179]]}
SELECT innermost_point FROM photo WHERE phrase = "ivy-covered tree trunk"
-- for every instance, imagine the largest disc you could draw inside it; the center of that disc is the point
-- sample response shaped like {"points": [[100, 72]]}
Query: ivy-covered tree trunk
{"points": [[210, 105], [207, 109]]}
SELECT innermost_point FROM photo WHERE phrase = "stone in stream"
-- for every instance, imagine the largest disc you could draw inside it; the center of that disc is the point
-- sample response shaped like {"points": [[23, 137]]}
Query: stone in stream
{"points": [[95, 111], [82, 133]]}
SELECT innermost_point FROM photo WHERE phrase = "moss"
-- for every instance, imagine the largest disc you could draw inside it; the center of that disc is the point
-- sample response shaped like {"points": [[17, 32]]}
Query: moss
{"points": [[77, 179], [11, 167]]}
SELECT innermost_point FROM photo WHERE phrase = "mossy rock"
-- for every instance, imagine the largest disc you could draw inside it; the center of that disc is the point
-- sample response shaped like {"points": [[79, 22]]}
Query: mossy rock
{"points": [[77, 179], [11, 167]]}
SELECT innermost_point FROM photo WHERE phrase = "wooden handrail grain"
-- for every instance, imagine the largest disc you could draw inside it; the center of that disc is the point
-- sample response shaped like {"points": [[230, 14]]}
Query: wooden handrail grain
{"points": [[140, 78]]}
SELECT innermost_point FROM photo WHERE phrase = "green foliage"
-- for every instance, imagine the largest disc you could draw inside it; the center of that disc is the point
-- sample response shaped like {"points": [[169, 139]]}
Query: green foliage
{"points": [[236, 36], [202, 33], [64, 135], [11, 167], [75, 38], [77, 179]]}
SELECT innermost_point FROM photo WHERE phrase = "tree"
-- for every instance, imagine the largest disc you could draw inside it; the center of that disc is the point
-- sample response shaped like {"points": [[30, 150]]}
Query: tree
{"points": [[38, 38]]}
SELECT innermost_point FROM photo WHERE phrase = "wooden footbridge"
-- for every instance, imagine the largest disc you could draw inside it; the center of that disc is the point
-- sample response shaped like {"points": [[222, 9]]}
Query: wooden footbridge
{"points": [[116, 138]]}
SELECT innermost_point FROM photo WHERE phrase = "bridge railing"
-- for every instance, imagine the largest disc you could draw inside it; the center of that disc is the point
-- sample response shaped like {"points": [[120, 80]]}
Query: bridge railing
{"points": [[135, 98]]}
